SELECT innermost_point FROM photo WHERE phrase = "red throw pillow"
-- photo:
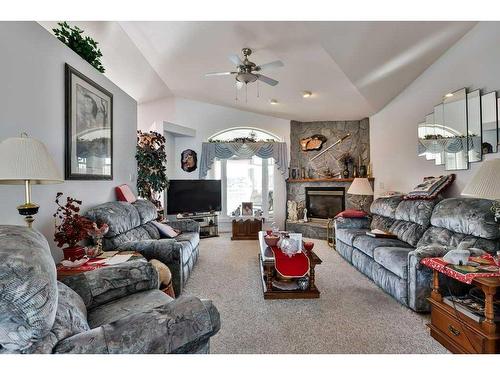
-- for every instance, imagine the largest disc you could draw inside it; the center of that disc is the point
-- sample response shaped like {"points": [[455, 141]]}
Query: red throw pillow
{"points": [[125, 194], [351, 214]]}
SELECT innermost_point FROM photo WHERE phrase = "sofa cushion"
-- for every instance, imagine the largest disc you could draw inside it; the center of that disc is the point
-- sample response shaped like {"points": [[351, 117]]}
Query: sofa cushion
{"points": [[144, 232], [147, 211], [470, 216], [120, 217], [381, 222], [28, 304], [415, 211], [395, 259], [407, 231], [445, 237], [348, 235], [368, 244], [386, 206], [120, 308]]}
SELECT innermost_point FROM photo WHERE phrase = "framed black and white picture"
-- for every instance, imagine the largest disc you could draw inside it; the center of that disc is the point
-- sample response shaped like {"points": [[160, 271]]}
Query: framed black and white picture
{"points": [[89, 129]]}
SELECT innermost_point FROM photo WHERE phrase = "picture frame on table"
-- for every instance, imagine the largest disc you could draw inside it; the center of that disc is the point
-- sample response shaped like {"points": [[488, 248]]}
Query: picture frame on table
{"points": [[247, 208], [88, 128]]}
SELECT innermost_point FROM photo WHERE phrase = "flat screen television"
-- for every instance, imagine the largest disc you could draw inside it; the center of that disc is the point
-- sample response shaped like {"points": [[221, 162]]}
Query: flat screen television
{"points": [[192, 196]]}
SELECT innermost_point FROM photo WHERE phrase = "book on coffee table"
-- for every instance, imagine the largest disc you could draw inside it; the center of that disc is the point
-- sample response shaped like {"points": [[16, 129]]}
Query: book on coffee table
{"points": [[380, 234]]}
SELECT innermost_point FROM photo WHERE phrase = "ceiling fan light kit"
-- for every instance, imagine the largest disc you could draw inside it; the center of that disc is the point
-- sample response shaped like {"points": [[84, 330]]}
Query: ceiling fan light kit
{"points": [[273, 101], [306, 94], [247, 71]]}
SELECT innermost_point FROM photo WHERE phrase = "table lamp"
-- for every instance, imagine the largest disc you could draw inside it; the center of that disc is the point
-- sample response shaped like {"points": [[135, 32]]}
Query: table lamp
{"points": [[26, 161], [486, 184], [361, 186]]}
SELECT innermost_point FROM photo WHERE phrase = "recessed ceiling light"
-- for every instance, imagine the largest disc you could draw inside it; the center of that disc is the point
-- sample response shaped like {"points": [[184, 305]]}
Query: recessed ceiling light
{"points": [[449, 95], [273, 101], [306, 94]]}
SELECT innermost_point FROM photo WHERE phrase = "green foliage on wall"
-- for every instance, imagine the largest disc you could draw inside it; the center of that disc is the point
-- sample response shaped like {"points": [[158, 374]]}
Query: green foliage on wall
{"points": [[151, 171], [84, 46]]}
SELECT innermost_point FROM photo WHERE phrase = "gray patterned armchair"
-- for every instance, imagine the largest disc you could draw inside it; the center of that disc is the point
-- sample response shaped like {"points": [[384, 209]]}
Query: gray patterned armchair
{"points": [[131, 228], [423, 228], [117, 309]]}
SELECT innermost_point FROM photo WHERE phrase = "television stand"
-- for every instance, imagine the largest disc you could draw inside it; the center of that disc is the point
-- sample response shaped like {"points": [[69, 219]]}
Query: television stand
{"points": [[209, 222]]}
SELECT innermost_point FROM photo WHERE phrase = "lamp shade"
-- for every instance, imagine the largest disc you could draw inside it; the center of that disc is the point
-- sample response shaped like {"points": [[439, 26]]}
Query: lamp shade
{"points": [[26, 158], [486, 182], [360, 186]]}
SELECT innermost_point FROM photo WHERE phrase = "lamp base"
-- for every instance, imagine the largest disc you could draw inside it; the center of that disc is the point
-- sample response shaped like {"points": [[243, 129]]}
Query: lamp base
{"points": [[28, 210]]}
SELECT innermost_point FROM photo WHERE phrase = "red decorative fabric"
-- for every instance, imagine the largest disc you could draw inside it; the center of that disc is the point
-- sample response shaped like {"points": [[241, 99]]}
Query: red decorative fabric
{"points": [[440, 265], [295, 266], [89, 266], [125, 194], [351, 214]]}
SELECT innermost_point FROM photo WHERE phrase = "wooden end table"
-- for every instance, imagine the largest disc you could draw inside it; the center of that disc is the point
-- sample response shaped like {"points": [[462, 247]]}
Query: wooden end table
{"points": [[246, 228], [268, 274], [459, 333]]}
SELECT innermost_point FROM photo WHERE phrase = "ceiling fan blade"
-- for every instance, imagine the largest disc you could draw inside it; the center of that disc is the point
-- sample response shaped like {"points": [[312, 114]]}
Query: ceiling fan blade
{"points": [[219, 74], [271, 65], [235, 59], [239, 85], [267, 80]]}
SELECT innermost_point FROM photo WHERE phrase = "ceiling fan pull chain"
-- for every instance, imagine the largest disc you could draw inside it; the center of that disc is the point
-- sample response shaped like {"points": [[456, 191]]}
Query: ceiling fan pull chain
{"points": [[236, 92], [246, 93], [258, 90]]}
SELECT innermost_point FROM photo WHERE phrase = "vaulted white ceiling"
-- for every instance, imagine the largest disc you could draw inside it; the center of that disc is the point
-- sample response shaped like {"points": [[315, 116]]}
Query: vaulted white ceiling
{"points": [[353, 68]]}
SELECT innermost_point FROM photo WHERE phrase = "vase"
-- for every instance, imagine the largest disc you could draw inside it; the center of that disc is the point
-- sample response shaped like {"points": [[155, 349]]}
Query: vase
{"points": [[74, 253]]}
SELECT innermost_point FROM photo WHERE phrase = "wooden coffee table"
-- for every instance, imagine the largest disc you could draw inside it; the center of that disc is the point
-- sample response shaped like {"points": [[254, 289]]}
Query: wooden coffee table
{"points": [[268, 275]]}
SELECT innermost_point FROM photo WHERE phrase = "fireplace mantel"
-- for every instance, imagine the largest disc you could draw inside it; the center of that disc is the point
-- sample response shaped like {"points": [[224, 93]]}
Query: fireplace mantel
{"points": [[291, 180]]}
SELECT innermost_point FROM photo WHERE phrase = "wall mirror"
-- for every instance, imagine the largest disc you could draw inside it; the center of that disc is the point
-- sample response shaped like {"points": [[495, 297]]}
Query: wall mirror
{"points": [[439, 132], [474, 125], [455, 124], [430, 134], [489, 123]]}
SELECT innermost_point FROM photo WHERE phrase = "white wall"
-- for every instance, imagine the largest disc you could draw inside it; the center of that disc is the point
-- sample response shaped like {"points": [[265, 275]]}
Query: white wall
{"points": [[32, 100], [208, 119], [473, 62]]}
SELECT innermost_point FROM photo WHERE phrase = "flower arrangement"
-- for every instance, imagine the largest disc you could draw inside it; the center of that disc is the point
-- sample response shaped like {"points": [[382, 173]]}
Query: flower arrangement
{"points": [[73, 227]]}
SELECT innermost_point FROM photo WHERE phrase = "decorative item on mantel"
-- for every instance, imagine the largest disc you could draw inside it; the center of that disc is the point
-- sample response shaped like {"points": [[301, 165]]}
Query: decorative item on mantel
{"points": [[320, 165], [313, 143], [26, 161]]}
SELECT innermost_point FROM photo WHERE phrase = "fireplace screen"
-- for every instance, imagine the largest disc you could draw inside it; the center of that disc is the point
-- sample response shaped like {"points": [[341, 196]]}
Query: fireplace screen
{"points": [[324, 202]]}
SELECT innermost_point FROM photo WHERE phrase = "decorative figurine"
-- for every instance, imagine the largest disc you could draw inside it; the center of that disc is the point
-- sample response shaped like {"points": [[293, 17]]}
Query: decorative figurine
{"points": [[305, 215], [292, 211]]}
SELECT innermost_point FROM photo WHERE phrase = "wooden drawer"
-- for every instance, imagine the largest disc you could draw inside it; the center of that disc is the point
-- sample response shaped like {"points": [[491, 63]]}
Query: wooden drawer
{"points": [[458, 332]]}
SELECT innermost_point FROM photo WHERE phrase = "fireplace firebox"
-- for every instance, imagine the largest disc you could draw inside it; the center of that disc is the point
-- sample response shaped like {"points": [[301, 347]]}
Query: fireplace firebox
{"points": [[324, 202]]}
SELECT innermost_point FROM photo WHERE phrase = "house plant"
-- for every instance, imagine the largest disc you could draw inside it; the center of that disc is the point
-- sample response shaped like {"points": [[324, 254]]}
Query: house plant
{"points": [[151, 171], [72, 228]]}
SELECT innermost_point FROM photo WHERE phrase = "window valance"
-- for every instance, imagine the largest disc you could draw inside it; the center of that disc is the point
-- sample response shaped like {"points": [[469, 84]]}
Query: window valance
{"points": [[225, 150]]}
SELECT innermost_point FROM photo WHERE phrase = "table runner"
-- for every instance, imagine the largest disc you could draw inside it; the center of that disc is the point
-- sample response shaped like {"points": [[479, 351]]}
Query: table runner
{"points": [[295, 266], [440, 265]]}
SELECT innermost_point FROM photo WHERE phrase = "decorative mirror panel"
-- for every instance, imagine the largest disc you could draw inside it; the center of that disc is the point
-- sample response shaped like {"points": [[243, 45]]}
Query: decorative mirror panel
{"points": [[489, 123], [439, 132], [474, 125], [455, 124]]}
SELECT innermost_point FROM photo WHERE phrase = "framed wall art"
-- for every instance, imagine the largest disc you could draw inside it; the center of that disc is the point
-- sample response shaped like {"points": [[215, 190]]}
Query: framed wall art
{"points": [[89, 129], [189, 160]]}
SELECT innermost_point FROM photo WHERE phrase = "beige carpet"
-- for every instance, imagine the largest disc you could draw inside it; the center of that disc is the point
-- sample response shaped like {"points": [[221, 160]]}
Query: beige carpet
{"points": [[352, 315]]}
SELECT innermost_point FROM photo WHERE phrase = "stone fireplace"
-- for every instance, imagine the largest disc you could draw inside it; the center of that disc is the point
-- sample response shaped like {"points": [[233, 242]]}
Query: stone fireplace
{"points": [[324, 202]]}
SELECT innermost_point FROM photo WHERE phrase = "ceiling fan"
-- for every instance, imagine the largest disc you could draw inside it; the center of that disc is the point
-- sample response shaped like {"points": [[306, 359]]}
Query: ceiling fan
{"points": [[247, 71]]}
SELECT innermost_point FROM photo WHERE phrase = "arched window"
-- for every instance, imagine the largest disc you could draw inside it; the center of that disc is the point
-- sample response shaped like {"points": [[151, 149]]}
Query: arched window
{"points": [[244, 132], [245, 180]]}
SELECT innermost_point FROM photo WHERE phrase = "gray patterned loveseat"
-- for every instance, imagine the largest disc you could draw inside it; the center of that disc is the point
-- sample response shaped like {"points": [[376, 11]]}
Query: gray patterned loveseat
{"points": [[424, 228], [131, 228], [117, 309]]}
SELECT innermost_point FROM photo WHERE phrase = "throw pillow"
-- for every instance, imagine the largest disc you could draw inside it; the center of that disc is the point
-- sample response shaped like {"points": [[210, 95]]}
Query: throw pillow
{"points": [[431, 187], [125, 194], [351, 214], [166, 231]]}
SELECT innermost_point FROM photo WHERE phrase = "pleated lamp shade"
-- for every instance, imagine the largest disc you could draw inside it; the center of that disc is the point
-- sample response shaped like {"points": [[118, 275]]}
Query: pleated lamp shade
{"points": [[26, 158], [486, 182], [360, 186]]}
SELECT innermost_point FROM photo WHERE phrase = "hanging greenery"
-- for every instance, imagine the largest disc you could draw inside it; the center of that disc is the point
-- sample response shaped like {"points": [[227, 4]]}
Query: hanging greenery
{"points": [[151, 171], [84, 46]]}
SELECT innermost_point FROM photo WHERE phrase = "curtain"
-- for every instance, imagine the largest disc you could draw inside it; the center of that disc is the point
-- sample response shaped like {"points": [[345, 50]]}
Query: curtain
{"points": [[264, 150]]}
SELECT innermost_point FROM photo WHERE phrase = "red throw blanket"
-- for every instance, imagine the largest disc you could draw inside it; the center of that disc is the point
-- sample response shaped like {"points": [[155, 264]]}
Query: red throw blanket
{"points": [[295, 266]]}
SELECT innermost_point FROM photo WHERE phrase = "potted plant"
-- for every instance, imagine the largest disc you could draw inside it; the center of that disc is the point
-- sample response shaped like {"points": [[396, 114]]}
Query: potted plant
{"points": [[72, 228], [151, 171]]}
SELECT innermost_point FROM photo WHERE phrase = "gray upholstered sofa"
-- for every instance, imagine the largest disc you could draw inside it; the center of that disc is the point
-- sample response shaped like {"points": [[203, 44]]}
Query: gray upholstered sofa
{"points": [[424, 228], [131, 228], [117, 309]]}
